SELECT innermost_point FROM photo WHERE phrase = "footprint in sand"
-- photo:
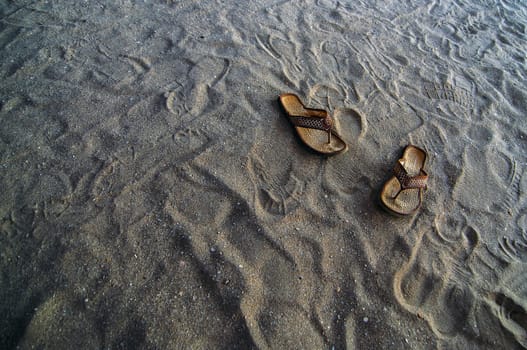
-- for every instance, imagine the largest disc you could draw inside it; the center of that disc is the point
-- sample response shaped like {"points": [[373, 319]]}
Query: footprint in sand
{"points": [[345, 68], [512, 316], [189, 143], [487, 185], [447, 282], [187, 186], [447, 92], [352, 124], [273, 195], [330, 97], [348, 122], [262, 270], [433, 284], [506, 303], [284, 50], [194, 95], [515, 246], [175, 100]]}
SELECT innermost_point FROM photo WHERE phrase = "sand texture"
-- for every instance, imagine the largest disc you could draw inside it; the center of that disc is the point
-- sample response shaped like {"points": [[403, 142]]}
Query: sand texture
{"points": [[153, 194]]}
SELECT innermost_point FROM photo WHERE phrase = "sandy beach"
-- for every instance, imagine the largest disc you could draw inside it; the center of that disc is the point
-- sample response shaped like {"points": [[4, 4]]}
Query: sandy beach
{"points": [[154, 194]]}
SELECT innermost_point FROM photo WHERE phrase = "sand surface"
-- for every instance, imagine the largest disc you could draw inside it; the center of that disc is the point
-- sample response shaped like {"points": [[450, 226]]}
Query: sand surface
{"points": [[153, 194]]}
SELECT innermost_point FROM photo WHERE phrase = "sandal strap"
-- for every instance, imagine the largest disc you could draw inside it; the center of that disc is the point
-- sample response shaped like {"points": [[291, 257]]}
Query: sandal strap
{"points": [[320, 123], [407, 181]]}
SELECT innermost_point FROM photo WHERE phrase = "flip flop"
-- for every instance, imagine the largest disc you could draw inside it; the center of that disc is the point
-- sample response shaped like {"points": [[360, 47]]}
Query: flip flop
{"points": [[402, 194], [314, 126]]}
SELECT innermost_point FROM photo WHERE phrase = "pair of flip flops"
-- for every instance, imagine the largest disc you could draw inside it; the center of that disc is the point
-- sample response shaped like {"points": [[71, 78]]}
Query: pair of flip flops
{"points": [[402, 193]]}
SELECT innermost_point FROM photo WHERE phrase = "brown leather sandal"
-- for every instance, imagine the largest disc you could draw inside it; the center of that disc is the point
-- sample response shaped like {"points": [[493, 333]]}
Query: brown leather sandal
{"points": [[402, 194], [314, 126]]}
